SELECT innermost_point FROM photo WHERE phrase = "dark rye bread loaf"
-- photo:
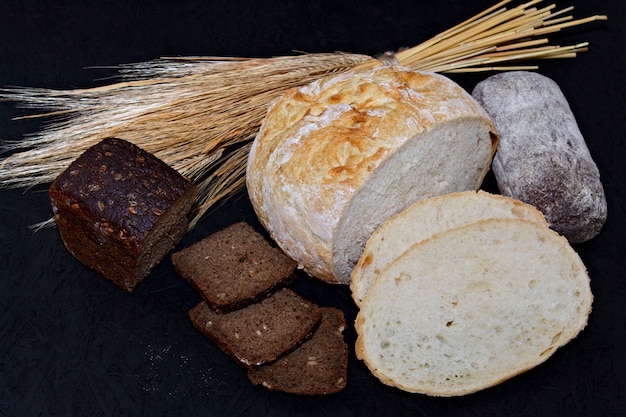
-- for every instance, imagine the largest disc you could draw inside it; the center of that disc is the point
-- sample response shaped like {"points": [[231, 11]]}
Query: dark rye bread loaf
{"points": [[119, 210], [234, 267], [262, 332], [542, 157], [317, 367]]}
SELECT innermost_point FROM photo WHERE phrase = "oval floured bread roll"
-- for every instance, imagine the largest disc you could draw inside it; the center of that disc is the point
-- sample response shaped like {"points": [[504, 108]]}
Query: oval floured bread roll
{"points": [[425, 218], [542, 156], [336, 158], [473, 306]]}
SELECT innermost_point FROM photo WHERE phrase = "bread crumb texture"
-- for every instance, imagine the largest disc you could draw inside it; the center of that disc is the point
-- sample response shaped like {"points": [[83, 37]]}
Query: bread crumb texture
{"points": [[425, 218], [473, 306]]}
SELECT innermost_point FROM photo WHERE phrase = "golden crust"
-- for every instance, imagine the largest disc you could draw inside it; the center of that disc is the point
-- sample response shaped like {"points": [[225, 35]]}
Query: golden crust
{"points": [[319, 144]]}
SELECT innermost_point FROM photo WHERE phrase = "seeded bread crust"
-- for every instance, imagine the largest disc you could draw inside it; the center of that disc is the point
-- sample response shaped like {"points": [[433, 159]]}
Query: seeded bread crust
{"points": [[119, 210], [234, 267], [262, 332], [317, 367]]}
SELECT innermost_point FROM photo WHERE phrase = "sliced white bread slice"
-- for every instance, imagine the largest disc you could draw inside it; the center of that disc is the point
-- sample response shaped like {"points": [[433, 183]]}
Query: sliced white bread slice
{"points": [[473, 306], [426, 218]]}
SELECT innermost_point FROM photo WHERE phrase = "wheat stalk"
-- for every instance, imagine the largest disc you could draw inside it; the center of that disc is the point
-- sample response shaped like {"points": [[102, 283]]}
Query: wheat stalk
{"points": [[200, 114]]}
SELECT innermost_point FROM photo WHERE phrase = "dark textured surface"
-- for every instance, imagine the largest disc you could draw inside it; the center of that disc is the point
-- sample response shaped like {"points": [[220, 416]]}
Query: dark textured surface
{"points": [[121, 187], [317, 367], [221, 266], [120, 210], [261, 332], [71, 343]]}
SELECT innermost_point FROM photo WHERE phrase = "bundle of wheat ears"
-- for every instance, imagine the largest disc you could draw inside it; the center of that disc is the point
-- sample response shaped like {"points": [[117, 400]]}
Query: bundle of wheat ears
{"points": [[200, 114]]}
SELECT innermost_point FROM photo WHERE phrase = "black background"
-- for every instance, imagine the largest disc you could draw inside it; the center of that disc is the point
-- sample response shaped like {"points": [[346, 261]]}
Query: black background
{"points": [[72, 344]]}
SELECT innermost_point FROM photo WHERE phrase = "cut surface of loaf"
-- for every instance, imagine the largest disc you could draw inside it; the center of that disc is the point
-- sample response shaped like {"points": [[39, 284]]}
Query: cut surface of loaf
{"points": [[426, 218], [473, 306], [336, 158], [234, 267], [262, 332], [317, 367], [119, 210]]}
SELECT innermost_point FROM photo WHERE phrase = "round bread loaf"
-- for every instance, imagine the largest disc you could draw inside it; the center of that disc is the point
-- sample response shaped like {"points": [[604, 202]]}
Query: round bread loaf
{"points": [[542, 156], [425, 218], [336, 158], [473, 306]]}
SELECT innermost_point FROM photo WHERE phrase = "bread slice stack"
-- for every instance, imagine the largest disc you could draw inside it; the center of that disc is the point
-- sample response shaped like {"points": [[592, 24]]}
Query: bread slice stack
{"points": [[259, 333], [464, 304], [425, 218], [317, 367], [248, 311]]}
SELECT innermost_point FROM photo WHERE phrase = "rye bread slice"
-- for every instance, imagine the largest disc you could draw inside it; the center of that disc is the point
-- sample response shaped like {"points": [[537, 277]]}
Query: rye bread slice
{"points": [[317, 367], [234, 267], [262, 332]]}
